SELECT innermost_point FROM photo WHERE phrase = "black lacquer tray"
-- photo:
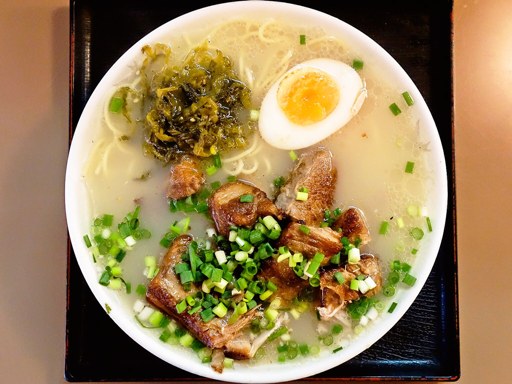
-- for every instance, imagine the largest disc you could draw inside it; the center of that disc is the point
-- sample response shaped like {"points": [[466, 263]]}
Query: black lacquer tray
{"points": [[424, 344]]}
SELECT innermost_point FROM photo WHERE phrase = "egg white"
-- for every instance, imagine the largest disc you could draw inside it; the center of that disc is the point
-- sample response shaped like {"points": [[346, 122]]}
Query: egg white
{"points": [[280, 132]]}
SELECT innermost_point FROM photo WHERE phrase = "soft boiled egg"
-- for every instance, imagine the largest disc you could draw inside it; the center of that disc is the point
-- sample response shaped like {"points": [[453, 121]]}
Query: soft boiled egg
{"points": [[310, 102]]}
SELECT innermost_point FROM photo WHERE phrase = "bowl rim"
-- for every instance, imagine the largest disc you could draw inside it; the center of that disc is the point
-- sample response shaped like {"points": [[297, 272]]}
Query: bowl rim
{"points": [[75, 211]]}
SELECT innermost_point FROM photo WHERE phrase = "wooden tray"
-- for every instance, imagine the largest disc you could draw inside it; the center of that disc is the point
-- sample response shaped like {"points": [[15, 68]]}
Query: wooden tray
{"points": [[424, 344]]}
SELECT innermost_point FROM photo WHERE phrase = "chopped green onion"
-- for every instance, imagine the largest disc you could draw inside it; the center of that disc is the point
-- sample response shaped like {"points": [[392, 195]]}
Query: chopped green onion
{"points": [[293, 155], [327, 340], [414, 251], [181, 267], [207, 315], [221, 257], [278, 333], [304, 229], [140, 290], [265, 295], [271, 314], [302, 39], [393, 277], [383, 228], [256, 237], [314, 281], [165, 335], [429, 224], [408, 98], [302, 196], [271, 223], [354, 285], [181, 306], [220, 310], [105, 278], [304, 349], [354, 255], [337, 329], [87, 241], [115, 283], [339, 277], [241, 256], [405, 267], [217, 161], [271, 286], [186, 340], [392, 307], [279, 181], [156, 318], [388, 290], [412, 210], [335, 259], [417, 233], [211, 170], [312, 268], [357, 64], [409, 279], [395, 109], [116, 104], [409, 167], [337, 349], [248, 198]]}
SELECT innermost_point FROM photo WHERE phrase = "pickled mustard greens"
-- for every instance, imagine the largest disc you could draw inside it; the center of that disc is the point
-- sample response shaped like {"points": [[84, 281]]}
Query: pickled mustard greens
{"points": [[198, 107]]}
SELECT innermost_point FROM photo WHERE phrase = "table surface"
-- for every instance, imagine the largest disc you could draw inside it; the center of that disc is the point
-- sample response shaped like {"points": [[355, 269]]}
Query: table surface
{"points": [[33, 150]]}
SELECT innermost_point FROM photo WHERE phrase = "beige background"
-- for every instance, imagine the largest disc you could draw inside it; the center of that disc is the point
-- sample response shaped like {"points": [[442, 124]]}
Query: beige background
{"points": [[33, 149]]}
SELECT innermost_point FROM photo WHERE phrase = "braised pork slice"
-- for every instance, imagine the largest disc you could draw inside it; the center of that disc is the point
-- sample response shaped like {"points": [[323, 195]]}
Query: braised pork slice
{"points": [[336, 296], [316, 174], [289, 285], [311, 240], [352, 224], [165, 291], [227, 208], [185, 178]]}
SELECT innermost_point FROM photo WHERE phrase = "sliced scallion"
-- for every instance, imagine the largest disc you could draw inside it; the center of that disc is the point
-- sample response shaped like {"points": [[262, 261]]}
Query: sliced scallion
{"points": [[408, 98], [357, 64], [383, 229], [417, 233], [395, 110], [409, 167]]}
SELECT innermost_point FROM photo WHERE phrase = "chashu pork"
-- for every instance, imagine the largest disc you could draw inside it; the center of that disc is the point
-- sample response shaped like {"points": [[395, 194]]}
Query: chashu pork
{"points": [[185, 178], [352, 225], [316, 174], [226, 209], [336, 296], [317, 240], [165, 291]]}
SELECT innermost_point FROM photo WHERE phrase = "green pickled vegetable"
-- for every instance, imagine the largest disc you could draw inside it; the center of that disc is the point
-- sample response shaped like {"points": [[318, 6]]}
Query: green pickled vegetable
{"points": [[199, 107]]}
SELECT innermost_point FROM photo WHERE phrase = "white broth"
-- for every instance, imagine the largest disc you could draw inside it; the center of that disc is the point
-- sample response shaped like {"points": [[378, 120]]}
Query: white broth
{"points": [[370, 154]]}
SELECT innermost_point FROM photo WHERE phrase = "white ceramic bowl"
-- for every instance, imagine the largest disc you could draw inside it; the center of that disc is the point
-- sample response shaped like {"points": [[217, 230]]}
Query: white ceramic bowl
{"points": [[78, 215]]}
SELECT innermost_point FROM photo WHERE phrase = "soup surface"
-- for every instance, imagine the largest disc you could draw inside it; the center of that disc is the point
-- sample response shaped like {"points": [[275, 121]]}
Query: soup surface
{"points": [[381, 158]]}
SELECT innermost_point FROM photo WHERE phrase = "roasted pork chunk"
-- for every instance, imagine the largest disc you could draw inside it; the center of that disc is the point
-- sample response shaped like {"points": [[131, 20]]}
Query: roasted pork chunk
{"points": [[315, 174], [239, 204], [336, 296], [311, 240], [165, 291], [289, 285], [185, 178], [353, 225]]}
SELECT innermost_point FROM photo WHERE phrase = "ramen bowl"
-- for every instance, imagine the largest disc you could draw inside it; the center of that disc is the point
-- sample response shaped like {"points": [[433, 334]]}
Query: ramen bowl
{"points": [[82, 205]]}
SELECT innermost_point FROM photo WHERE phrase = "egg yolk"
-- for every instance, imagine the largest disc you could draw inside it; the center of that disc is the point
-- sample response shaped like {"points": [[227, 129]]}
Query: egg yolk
{"points": [[307, 96]]}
